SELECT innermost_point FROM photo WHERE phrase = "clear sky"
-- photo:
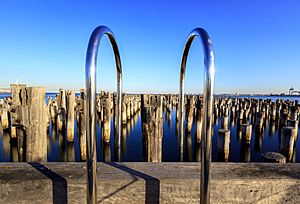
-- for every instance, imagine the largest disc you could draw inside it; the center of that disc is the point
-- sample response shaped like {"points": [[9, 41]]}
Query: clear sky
{"points": [[256, 43]]}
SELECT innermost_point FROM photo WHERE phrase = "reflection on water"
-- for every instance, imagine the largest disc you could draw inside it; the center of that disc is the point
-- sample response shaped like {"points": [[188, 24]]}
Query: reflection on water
{"points": [[174, 148]]}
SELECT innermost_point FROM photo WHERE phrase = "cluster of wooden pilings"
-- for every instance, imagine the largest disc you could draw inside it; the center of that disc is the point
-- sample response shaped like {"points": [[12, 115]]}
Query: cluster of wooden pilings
{"points": [[153, 107], [251, 117], [253, 114], [106, 107], [26, 117]]}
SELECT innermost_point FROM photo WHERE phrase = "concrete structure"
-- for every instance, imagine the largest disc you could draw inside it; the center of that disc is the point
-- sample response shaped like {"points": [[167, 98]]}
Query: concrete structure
{"points": [[149, 183]]}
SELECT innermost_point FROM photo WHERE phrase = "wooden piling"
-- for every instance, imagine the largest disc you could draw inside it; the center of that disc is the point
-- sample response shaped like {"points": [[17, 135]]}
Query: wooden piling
{"points": [[106, 102], [128, 109], [61, 115], [223, 143], [32, 116], [259, 120], [288, 135], [247, 133], [36, 133], [152, 123], [124, 117], [294, 124], [70, 102], [18, 109], [4, 117], [189, 113], [81, 106], [224, 122]]}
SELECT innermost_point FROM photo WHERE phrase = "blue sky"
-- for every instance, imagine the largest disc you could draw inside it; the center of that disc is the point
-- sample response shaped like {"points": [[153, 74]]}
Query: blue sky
{"points": [[256, 43]]}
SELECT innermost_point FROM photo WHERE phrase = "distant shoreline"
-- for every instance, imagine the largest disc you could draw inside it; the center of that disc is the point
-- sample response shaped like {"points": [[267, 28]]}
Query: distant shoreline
{"points": [[218, 95], [8, 91]]}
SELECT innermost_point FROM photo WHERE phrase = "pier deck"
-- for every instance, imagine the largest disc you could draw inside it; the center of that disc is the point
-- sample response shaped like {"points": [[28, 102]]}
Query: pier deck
{"points": [[132, 182]]}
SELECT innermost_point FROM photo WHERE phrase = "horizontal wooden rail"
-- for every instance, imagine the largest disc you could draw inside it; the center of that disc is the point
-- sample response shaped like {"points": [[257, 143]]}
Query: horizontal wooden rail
{"points": [[149, 183]]}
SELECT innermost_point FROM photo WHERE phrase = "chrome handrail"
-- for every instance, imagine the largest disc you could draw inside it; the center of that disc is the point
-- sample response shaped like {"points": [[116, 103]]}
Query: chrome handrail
{"points": [[209, 73], [90, 76]]}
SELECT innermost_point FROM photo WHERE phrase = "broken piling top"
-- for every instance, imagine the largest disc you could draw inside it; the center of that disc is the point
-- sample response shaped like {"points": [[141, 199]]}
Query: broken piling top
{"points": [[18, 94]]}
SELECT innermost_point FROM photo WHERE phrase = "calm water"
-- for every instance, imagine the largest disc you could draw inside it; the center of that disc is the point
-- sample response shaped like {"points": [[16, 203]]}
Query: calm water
{"points": [[132, 146]]}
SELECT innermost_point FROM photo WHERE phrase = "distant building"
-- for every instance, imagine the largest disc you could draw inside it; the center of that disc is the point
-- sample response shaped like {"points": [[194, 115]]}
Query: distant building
{"points": [[291, 90]]}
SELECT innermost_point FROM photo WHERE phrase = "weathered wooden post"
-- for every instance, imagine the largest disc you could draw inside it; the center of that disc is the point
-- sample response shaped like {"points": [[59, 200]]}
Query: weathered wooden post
{"points": [[223, 143], [33, 117], [106, 101], [131, 107], [294, 113], [61, 116], [224, 122], [240, 117], [4, 117], [284, 116], [36, 132], [124, 118], [152, 121], [273, 112], [189, 113], [294, 124], [259, 120], [115, 107], [136, 105], [81, 106], [288, 135], [246, 133], [128, 108], [53, 110], [168, 117], [177, 112], [18, 93], [70, 95], [216, 114], [232, 114]]}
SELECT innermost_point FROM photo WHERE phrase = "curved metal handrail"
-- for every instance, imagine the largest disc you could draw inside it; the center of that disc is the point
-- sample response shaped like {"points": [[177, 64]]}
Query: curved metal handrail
{"points": [[209, 73], [90, 76]]}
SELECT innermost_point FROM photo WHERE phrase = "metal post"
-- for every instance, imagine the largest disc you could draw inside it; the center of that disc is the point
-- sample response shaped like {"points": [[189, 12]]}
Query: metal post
{"points": [[209, 72], [90, 76]]}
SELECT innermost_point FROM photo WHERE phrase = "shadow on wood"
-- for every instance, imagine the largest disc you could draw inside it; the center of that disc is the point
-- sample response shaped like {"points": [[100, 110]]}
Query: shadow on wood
{"points": [[59, 183], [152, 183]]}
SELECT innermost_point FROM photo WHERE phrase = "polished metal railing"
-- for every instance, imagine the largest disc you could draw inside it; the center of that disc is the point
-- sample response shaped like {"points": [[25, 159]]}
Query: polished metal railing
{"points": [[90, 76], [209, 72]]}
